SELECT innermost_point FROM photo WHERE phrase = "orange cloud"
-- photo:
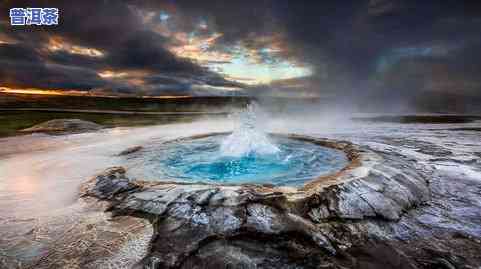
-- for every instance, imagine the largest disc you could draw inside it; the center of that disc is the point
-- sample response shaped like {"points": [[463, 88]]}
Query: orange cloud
{"points": [[42, 91], [59, 44]]}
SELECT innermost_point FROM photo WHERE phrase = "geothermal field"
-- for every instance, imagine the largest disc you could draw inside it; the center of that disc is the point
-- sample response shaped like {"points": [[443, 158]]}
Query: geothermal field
{"points": [[240, 134], [245, 190]]}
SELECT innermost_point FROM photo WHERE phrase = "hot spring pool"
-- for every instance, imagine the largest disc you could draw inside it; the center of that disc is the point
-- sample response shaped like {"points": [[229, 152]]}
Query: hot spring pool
{"points": [[286, 162]]}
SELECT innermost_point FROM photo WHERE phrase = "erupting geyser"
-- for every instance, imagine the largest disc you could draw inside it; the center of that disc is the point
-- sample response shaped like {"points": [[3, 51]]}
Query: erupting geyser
{"points": [[248, 155], [247, 138]]}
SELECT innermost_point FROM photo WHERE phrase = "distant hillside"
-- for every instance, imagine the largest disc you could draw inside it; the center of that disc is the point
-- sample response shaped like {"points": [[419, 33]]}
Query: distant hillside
{"points": [[194, 104], [424, 103]]}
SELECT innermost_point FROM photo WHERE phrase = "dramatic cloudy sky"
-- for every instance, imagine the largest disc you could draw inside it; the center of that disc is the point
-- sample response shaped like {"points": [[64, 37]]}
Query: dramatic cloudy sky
{"points": [[374, 48]]}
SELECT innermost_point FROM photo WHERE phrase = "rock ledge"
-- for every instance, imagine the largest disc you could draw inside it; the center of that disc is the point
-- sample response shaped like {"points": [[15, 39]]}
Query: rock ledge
{"points": [[249, 226], [60, 126]]}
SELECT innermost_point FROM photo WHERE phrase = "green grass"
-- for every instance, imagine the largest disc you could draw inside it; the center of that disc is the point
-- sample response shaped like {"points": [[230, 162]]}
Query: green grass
{"points": [[13, 121]]}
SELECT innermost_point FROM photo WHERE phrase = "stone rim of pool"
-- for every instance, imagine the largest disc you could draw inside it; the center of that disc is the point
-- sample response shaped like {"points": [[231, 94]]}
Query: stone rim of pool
{"points": [[371, 191], [347, 172]]}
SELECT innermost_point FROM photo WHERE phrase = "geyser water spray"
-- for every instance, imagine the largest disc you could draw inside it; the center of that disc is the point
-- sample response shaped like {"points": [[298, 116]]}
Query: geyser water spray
{"points": [[248, 137]]}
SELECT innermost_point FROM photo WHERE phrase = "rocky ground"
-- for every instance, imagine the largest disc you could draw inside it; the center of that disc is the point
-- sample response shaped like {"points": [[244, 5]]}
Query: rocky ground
{"points": [[413, 200], [369, 216], [82, 236], [63, 126]]}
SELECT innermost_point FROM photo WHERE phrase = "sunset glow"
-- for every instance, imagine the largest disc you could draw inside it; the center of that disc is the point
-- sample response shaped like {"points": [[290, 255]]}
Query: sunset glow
{"points": [[112, 74], [58, 44], [199, 48], [32, 91], [42, 91], [239, 63]]}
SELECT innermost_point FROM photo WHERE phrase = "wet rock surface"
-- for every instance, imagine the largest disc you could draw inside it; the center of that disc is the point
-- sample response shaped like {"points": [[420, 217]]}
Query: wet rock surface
{"points": [[430, 175], [63, 126], [130, 150], [388, 211], [83, 236]]}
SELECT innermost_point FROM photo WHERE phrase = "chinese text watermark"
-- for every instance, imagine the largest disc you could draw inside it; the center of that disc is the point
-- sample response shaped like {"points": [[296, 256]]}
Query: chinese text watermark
{"points": [[34, 16]]}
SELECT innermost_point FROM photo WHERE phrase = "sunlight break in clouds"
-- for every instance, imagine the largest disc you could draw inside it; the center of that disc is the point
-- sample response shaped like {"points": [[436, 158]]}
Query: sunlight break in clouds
{"points": [[58, 44]]}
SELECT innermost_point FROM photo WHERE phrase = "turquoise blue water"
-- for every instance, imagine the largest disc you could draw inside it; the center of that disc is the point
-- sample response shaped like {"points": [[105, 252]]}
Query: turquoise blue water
{"points": [[202, 160]]}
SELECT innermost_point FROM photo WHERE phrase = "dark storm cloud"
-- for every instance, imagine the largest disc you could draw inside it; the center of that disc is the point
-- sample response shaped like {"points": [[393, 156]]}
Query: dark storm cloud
{"points": [[143, 49], [22, 66], [359, 49], [112, 28], [344, 42]]}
